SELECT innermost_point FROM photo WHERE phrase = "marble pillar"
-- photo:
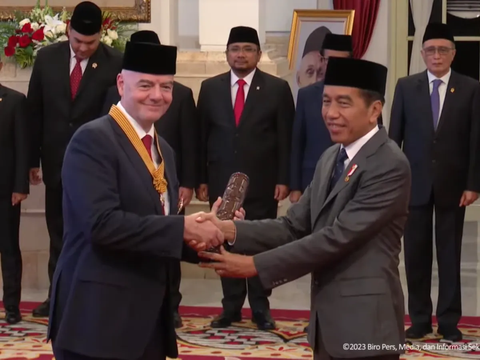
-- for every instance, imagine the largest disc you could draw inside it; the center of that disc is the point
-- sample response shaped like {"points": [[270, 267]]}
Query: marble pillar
{"points": [[164, 21]]}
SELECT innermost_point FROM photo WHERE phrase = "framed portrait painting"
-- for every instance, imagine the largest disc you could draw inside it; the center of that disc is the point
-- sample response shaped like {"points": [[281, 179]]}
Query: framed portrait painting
{"points": [[309, 28]]}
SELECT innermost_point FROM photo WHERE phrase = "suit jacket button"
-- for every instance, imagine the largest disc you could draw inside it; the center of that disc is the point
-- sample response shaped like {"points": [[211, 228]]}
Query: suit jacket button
{"points": [[71, 124]]}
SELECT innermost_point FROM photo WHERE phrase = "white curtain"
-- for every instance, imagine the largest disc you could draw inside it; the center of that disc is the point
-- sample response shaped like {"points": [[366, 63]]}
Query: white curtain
{"points": [[421, 11]]}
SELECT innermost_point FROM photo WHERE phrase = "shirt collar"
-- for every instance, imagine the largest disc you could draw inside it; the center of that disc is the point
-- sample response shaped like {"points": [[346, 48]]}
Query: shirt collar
{"points": [[353, 148], [72, 54], [248, 79], [138, 129], [445, 78]]}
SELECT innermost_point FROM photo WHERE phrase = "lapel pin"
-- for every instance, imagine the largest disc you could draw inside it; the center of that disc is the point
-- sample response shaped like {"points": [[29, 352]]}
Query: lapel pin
{"points": [[452, 90], [94, 65], [258, 87], [1, 99], [350, 173]]}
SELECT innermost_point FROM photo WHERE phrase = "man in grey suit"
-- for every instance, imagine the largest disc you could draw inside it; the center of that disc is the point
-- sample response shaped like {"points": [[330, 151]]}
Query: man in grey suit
{"points": [[345, 230], [436, 117]]}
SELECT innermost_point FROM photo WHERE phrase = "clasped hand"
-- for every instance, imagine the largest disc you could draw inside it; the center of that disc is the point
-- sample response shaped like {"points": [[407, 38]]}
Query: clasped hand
{"points": [[202, 230]]}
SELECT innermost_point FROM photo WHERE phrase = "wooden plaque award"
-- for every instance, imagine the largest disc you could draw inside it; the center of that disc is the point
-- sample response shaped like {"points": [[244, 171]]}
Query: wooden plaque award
{"points": [[233, 198]]}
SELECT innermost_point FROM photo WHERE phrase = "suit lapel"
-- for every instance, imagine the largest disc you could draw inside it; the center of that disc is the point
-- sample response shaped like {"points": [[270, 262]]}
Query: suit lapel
{"points": [[450, 100], [226, 97], [423, 93], [94, 63], [326, 175], [254, 94], [64, 69], [138, 165], [3, 98], [359, 161]]}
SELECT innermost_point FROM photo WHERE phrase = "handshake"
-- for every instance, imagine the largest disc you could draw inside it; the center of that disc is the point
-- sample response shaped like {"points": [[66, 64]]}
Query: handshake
{"points": [[203, 231]]}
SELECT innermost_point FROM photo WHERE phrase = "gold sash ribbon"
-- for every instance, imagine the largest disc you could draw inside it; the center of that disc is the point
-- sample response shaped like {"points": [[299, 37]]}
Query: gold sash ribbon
{"points": [[158, 174]]}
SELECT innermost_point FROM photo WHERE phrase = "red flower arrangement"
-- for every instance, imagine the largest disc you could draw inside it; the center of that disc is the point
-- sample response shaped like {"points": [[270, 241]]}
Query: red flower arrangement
{"points": [[23, 38]]}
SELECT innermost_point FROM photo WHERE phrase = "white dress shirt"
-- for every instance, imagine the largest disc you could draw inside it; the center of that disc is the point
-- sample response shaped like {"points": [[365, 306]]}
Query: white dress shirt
{"points": [[353, 148], [155, 155], [442, 89], [233, 81], [73, 62]]}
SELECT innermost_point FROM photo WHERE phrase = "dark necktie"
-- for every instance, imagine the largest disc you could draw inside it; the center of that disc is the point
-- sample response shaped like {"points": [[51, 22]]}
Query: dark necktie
{"points": [[435, 101], [147, 141], [239, 101], [339, 167], [76, 77]]}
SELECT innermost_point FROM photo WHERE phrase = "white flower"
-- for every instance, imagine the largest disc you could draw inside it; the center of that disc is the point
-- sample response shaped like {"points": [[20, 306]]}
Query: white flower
{"points": [[61, 28], [63, 38], [51, 24], [48, 33], [35, 26], [112, 34], [24, 21], [107, 40]]}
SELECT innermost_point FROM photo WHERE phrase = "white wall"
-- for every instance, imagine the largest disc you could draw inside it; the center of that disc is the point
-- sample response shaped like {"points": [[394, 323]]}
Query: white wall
{"points": [[279, 14]]}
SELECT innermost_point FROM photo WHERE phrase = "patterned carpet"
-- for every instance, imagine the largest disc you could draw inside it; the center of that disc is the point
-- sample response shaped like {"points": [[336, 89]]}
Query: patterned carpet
{"points": [[197, 341]]}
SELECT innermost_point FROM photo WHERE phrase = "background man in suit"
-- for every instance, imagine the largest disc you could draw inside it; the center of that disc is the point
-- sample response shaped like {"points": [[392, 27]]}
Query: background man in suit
{"points": [[436, 117], [14, 188], [111, 283], [246, 119], [67, 89], [346, 229], [310, 135], [179, 129]]}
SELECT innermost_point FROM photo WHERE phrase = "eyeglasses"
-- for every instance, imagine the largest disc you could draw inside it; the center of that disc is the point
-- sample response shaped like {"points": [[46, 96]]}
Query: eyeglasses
{"points": [[442, 50], [247, 50]]}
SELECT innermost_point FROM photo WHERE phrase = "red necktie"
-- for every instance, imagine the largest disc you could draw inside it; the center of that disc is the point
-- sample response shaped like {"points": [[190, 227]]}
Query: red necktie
{"points": [[75, 77], [147, 141], [239, 101]]}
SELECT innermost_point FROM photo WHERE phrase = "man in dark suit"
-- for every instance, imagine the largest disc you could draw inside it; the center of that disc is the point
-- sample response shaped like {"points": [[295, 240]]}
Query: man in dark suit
{"points": [[110, 289], [246, 119], [14, 188], [345, 230], [435, 118], [179, 129], [310, 135], [67, 89]]}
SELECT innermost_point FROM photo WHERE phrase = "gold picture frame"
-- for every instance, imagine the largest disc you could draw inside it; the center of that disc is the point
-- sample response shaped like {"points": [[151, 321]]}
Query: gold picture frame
{"points": [[139, 11], [308, 30]]}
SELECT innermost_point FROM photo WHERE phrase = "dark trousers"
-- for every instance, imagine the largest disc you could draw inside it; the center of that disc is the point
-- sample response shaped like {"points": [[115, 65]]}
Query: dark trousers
{"points": [[320, 353], [418, 262], [235, 290], [175, 276], [11, 256], [154, 351], [54, 217]]}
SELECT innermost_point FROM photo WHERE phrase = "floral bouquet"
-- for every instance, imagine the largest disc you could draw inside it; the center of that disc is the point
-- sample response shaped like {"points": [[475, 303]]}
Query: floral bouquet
{"points": [[22, 37]]}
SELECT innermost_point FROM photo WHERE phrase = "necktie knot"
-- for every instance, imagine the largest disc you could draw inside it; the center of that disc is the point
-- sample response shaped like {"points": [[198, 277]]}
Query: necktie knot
{"points": [[241, 82], [342, 156], [437, 83], [147, 141]]}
